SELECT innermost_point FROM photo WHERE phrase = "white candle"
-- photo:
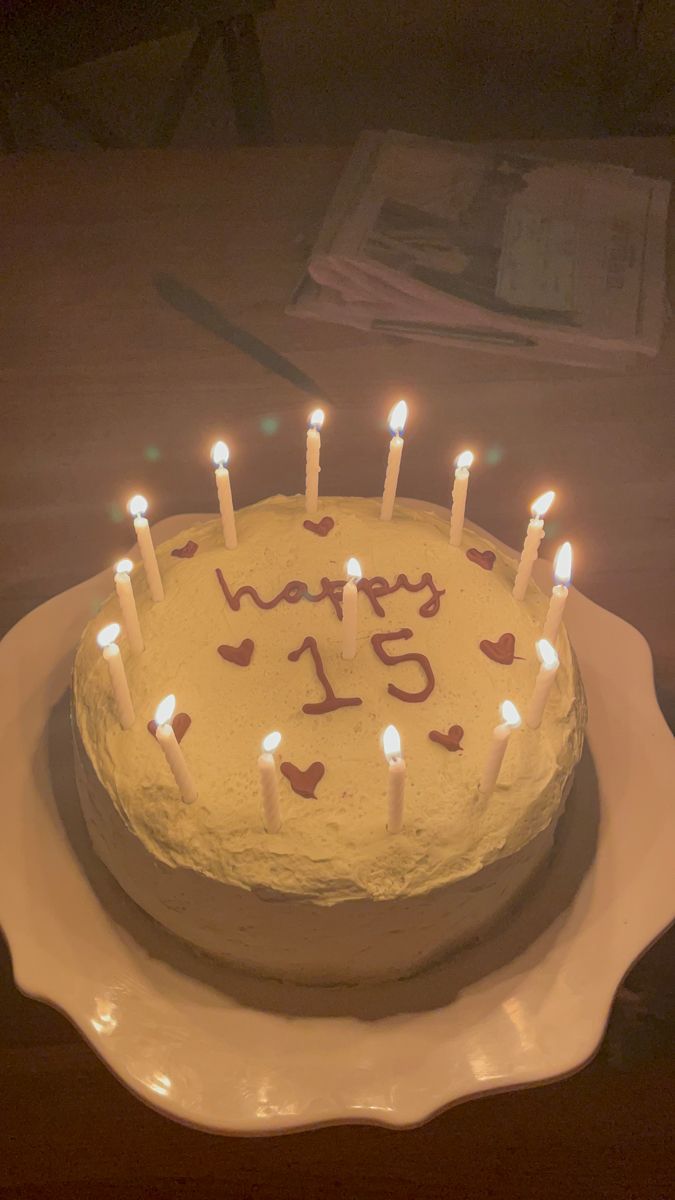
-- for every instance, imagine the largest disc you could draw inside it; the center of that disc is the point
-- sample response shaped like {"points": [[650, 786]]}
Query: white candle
{"points": [[397, 420], [312, 463], [459, 490], [125, 595], [500, 739], [138, 506], [220, 454], [172, 751], [106, 639], [549, 665], [269, 784], [562, 570], [350, 602], [534, 535], [391, 744]]}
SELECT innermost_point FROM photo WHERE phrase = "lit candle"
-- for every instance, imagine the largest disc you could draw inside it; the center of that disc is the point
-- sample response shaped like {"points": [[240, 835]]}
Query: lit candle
{"points": [[460, 488], [534, 535], [562, 570], [397, 420], [125, 595], [500, 738], [220, 455], [138, 506], [350, 600], [269, 784], [172, 751], [106, 638], [391, 744], [312, 464], [549, 665]]}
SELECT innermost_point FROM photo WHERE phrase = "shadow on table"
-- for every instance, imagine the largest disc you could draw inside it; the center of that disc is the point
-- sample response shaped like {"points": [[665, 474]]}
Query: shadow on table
{"points": [[538, 917]]}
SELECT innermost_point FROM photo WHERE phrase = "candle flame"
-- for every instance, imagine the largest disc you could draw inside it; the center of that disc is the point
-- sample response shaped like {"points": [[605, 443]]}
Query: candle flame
{"points": [[562, 567], [391, 742], [354, 568], [108, 635], [547, 654], [542, 504], [465, 459], [220, 453], [138, 506], [510, 714], [398, 417], [165, 710], [316, 418], [124, 566], [271, 742]]}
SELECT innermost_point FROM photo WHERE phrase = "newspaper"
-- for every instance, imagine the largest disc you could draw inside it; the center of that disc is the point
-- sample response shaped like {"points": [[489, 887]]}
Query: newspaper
{"points": [[482, 246]]}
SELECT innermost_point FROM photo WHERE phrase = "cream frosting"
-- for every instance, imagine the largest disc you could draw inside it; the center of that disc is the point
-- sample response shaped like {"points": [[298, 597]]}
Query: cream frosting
{"points": [[334, 847]]}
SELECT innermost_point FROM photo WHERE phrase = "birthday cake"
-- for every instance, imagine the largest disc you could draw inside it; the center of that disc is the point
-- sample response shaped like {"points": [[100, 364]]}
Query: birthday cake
{"points": [[250, 640]]}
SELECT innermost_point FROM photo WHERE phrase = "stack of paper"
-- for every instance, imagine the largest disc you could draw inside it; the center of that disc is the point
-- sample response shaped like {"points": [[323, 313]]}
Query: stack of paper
{"points": [[480, 246]]}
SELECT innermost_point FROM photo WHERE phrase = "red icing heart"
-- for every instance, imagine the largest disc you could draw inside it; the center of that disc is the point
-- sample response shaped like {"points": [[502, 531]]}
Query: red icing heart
{"points": [[303, 782], [239, 655], [181, 723], [186, 551], [501, 651], [484, 558], [322, 528], [451, 740]]}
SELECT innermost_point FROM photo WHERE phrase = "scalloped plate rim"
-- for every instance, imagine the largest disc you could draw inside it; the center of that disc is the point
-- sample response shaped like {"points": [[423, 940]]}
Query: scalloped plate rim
{"points": [[33, 976]]}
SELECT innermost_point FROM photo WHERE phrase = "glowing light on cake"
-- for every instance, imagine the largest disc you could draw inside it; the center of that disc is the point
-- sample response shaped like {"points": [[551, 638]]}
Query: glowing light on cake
{"points": [[107, 638], [562, 566], [138, 506], [312, 460], [220, 456], [397, 419], [165, 709], [350, 609], [500, 738], [459, 491], [109, 634], [391, 744], [510, 714], [125, 595], [269, 782], [534, 535], [547, 671], [172, 751], [541, 505]]}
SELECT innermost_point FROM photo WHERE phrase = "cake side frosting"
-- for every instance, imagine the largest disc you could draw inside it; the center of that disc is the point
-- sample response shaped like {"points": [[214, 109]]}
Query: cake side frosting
{"points": [[333, 847]]}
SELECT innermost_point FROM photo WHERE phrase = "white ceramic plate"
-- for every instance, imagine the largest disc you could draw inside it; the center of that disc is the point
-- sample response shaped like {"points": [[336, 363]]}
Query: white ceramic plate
{"points": [[231, 1054]]}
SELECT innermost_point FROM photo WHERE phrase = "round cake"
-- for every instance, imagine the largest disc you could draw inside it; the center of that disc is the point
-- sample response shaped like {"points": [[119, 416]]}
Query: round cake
{"points": [[250, 640]]}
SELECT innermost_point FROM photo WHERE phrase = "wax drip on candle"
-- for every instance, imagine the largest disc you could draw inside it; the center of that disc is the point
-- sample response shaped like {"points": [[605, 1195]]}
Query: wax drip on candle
{"points": [[220, 455], [530, 551], [391, 744], [562, 571], [459, 492], [550, 662], [107, 638], [350, 606], [166, 738], [138, 506], [397, 419], [125, 595], [312, 461], [500, 738], [269, 785]]}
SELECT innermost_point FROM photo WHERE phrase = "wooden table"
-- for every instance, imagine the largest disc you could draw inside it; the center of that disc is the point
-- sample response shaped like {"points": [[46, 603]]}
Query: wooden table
{"points": [[106, 390]]}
